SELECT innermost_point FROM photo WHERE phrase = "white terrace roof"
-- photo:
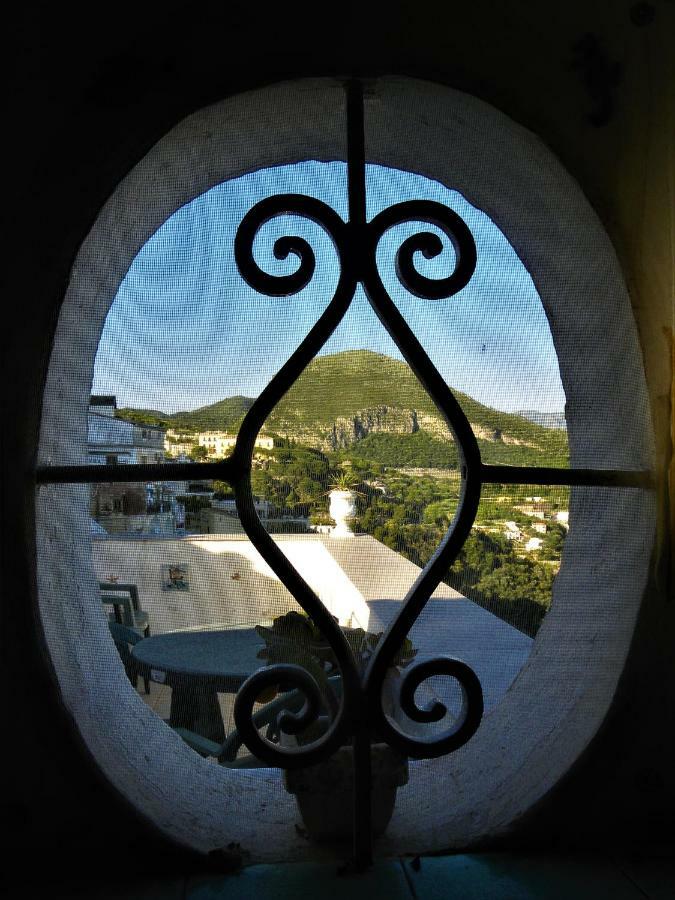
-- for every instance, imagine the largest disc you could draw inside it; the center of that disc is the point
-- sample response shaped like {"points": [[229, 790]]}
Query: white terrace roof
{"points": [[360, 581], [449, 624]]}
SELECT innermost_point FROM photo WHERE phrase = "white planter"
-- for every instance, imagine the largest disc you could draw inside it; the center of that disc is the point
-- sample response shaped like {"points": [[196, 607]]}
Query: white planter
{"points": [[342, 507]]}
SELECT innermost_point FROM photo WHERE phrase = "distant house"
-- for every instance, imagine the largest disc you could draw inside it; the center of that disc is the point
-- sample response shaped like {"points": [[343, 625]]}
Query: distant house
{"points": [[512, 532], [178, 443], [113, 441], [537, 509], [534, 544], [125, 507], [220, 443]]}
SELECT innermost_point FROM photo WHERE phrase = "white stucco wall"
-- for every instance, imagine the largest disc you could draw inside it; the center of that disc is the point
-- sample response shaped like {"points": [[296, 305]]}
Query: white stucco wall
{"points": [[563, 693]]}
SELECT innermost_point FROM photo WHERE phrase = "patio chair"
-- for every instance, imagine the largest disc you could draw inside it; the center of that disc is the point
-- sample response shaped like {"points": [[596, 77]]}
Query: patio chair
{"points": [[126, 606], [125, 638], [226, 753]]}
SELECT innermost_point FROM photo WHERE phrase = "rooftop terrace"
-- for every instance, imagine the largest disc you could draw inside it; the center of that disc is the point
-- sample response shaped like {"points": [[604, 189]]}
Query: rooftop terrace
{"points": [[360, 581]]}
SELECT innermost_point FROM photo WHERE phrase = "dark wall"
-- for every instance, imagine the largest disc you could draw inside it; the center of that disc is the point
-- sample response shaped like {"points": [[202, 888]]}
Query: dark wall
{"points": [[593, 79]]}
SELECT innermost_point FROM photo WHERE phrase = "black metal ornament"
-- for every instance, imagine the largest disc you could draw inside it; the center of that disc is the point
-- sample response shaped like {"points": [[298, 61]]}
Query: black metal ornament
{"points": [[360, 712]]}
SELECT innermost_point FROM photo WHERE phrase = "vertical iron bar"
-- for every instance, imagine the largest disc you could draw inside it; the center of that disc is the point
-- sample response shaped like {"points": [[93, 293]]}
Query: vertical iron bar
{"points": [[356, 185], [356, 158], [363, 834]]}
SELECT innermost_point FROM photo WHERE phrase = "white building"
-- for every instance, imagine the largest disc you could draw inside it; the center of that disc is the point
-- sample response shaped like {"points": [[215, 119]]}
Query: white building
{"points": [[113, 441], [512, 532], [262, 507], [179, 443], [220, 443], [134, 507], [216, 443], [534, 544], [538, 509]]}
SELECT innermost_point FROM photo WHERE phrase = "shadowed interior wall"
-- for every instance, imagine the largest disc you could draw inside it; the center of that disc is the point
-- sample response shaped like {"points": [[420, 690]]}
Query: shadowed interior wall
{"points": [[594, 81]]}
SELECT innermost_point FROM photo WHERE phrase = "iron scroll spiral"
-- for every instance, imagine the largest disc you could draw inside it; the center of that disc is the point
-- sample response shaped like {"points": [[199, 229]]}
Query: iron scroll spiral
{"points": [[356, 243]]}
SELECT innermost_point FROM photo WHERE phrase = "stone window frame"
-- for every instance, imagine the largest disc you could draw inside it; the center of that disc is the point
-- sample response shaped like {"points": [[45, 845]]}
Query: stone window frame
{"points": [[559, 699]]}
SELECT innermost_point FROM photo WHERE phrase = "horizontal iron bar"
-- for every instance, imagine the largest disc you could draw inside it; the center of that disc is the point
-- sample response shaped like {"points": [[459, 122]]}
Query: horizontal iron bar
{"points": [[98, 474], [551, 475], [226, 470]]}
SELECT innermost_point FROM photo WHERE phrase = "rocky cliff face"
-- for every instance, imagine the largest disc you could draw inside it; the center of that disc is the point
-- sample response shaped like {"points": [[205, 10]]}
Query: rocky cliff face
{"points": [[345, 431]]}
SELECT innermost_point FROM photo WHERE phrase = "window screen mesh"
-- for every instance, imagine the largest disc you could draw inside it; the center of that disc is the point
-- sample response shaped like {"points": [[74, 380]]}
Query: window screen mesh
{"points": [[188, 345], [186, 349]]}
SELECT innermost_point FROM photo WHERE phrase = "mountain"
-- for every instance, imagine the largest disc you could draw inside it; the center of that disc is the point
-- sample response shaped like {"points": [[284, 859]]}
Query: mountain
{"points": [[144, 416], [225, 415], [344, 398], [368, 404]]}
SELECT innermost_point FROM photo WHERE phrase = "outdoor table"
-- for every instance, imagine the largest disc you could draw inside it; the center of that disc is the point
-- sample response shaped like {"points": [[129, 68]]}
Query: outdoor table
{"points": [[198, 665]]}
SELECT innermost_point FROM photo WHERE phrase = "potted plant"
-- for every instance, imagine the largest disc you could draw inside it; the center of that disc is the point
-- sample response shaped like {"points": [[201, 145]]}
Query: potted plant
{"points": [[329, 785], [342, 506]]}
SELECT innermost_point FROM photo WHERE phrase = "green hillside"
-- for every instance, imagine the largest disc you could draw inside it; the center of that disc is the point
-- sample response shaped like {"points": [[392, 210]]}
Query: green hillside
{"points": [[404, 450], [145, 416], [383, 395], [225, 415], [370, 405]]}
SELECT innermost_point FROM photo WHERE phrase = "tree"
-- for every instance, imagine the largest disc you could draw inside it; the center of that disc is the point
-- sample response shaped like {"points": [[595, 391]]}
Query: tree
{"points": [[440, 513], [552, 544], [198, 453], [222, 490], [519, 579], [518, 592]]}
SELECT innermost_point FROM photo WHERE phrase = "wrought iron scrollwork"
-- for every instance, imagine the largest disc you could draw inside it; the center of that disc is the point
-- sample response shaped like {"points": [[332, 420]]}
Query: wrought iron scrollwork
{"points": [[453, 737], [430, 245], [356, 243], [285, 204], [359, 712], [288, 722]]}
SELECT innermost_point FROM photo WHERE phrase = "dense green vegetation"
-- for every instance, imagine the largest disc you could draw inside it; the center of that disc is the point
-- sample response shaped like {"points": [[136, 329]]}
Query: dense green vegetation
{"points": [[346, 399], [295, 480], [145, 416], [365, 416], [225, 415], [498, 453], [417, 449], [411, 513], [422, 450], [515, 588]]}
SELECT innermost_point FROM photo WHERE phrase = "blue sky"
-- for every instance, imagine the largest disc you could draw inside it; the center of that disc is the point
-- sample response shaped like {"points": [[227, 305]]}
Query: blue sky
{"points": [[185, 330]]}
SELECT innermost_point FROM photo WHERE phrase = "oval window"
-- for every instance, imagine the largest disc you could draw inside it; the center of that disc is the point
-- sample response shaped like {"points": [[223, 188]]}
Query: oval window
{"points": [[315, 431]]}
